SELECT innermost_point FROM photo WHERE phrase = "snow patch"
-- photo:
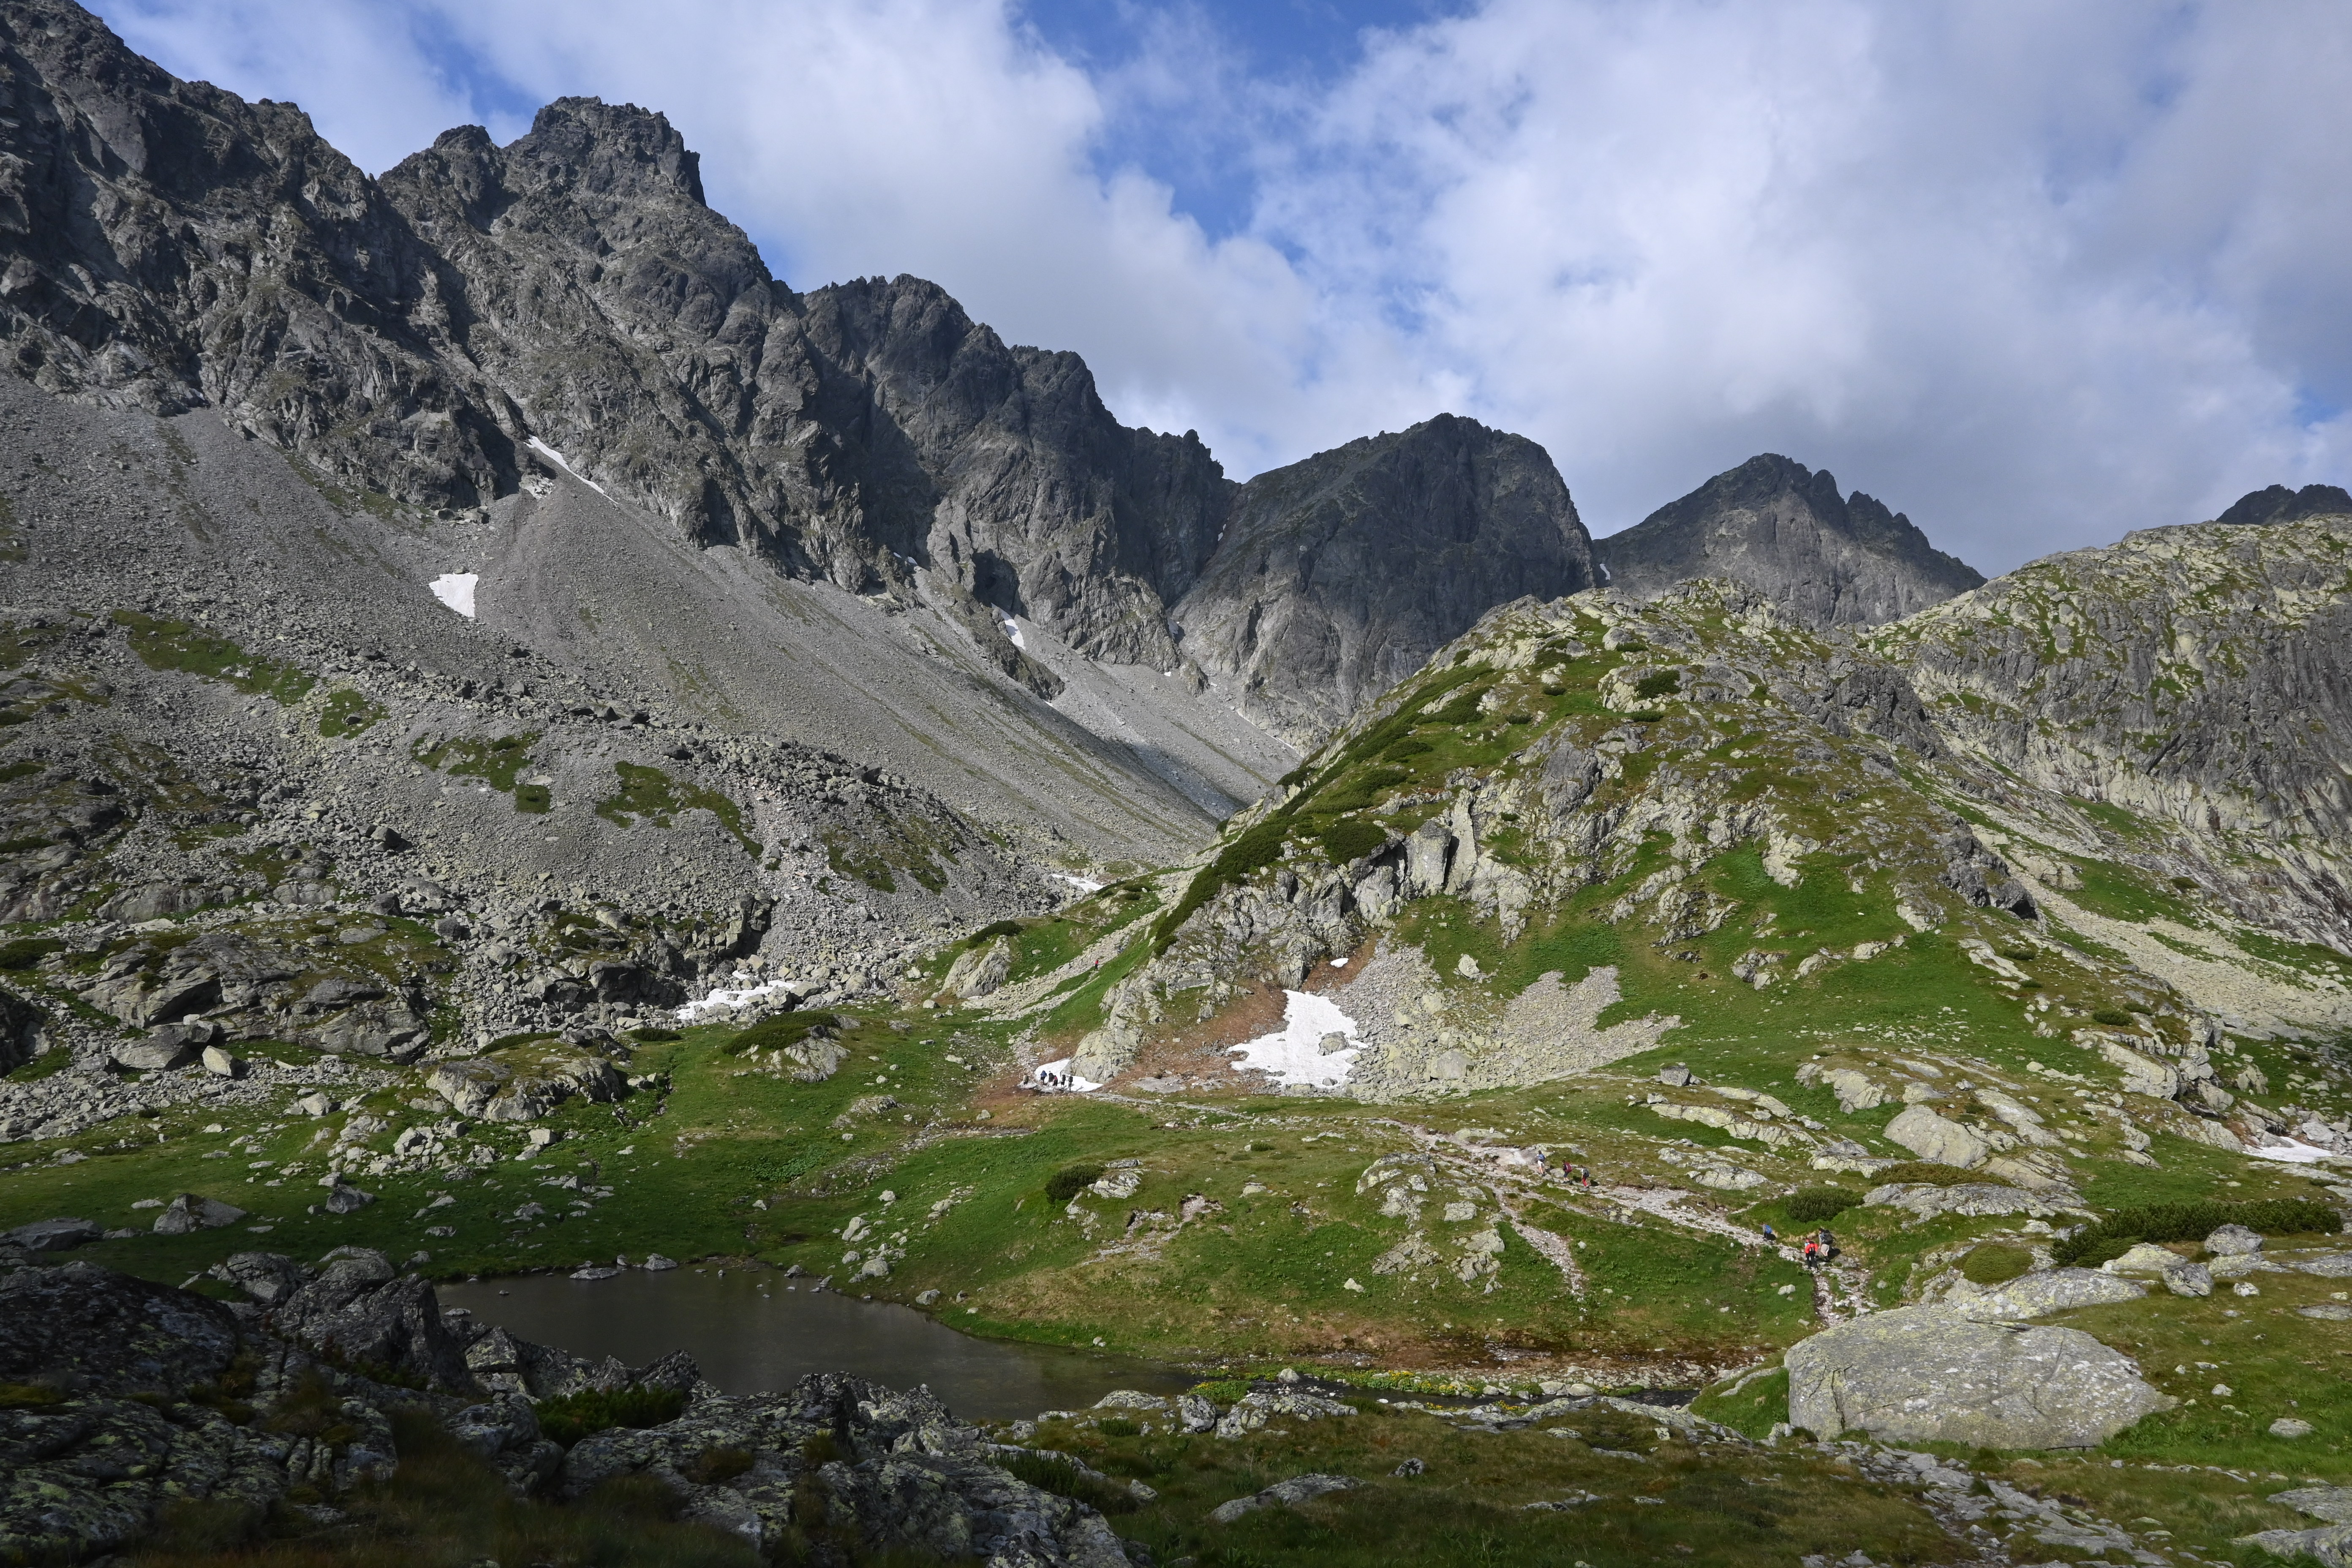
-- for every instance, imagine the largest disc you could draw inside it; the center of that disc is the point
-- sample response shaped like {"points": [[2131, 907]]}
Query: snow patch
{"points": [[1083, 884], [1055, 1077], [1013, 630], [1294, 1054], [722, 999], [456, 589], [2294, 1152], [561, 461]]}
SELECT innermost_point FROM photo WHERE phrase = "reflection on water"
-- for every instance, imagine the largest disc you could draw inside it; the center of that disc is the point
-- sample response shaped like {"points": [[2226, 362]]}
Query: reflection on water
{"points": [[750, 1332]]}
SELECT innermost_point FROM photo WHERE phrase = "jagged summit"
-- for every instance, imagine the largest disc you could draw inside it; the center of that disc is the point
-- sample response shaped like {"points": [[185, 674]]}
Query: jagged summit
{"points": [[1784, 531], [1341, 574], [2276, 503]]}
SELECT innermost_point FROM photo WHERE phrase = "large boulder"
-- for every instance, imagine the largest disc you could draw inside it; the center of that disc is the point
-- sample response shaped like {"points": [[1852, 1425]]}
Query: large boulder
{"points": [[1932, 1137], [1930, 1374], [23, 1031], [362, 1312], [108, 1332]]}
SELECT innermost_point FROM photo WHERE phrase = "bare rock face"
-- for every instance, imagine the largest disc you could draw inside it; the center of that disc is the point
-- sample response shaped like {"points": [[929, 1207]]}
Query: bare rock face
{"points": [[2200, 675], [1341, 574], [1781, 529]]}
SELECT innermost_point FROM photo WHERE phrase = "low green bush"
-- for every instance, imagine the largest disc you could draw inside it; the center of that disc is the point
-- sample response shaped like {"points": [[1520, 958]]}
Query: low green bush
{"points": [[1351, 839], [576, 1415], [22, 952], [1816, 1206], [1070, 1180], [1055, 1474], [2113, 1017], [1659, 683], [2117, 1233]]}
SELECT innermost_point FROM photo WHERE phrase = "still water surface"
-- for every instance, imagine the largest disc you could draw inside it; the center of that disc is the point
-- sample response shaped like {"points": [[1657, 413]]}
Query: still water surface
{"points": [[750, 1332]]}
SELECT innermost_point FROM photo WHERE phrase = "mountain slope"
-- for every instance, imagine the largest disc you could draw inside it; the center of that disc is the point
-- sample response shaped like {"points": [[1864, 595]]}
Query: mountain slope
{"points": [[1783, 530], [2193, 675], [1341, 574]]}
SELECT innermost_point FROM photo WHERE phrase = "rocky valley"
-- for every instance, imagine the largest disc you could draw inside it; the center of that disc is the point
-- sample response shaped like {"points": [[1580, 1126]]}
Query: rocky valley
{"points": [[532, 747]]}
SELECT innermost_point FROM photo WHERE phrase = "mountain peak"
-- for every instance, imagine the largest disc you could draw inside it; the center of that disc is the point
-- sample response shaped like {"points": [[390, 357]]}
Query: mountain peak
{"points": [[1784, 529], [2276, 503]]}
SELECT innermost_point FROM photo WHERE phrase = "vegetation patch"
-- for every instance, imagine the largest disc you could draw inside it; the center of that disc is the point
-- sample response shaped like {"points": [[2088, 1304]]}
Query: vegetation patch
{"points": [[176, 645], [493, 761], [1995, 1263], [346, 713], [652, 794], [576, 1416], [1817, 1205], [2118, 1232]]}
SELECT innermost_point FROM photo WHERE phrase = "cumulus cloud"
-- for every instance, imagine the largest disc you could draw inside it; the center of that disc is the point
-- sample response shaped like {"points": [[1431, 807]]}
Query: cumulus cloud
{"points": [[2034, 274]]}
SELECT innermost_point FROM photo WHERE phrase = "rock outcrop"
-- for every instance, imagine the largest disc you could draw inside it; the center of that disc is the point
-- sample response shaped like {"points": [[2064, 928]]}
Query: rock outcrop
{"points": [[1925, 1374], [903, 1475], [1339, 576], [125, 1397], [1783, 530]]}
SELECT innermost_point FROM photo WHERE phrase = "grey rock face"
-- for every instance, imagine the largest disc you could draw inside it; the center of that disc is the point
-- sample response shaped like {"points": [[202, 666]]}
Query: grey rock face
{"points": [[1781, 529], [1341, 574], [1925, 1374], [2200, 676]]}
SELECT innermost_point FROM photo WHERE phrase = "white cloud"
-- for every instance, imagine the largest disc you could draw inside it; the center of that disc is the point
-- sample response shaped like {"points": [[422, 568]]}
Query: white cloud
{"points": [[2034, 274]]}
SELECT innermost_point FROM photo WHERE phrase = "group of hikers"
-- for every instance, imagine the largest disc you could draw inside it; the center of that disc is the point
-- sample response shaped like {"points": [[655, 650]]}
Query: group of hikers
{"points": [[1818, 1248]]}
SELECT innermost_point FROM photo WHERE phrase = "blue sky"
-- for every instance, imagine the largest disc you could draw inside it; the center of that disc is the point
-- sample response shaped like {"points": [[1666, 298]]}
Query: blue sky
{"points": [[2033, 274]]}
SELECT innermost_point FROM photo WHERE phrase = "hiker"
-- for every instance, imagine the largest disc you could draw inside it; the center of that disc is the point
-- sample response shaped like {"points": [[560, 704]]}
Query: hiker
{"points": [[1811, 1251], [1771, 1237], [1829, 1244]]}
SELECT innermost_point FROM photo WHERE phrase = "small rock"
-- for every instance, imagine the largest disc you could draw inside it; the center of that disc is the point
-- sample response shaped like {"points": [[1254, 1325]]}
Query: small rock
{"points": [[189, 1212], [1410, 1467], [2233, 1241], [220, 1063], [2327, 1313], [53, 1235], [927, 1299], [343, 1198], [2246, 1288], [2290, 1426], [1677, 1075], [1297, 1490], [603, 1272], [315, 1104], [655, 1263]]}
